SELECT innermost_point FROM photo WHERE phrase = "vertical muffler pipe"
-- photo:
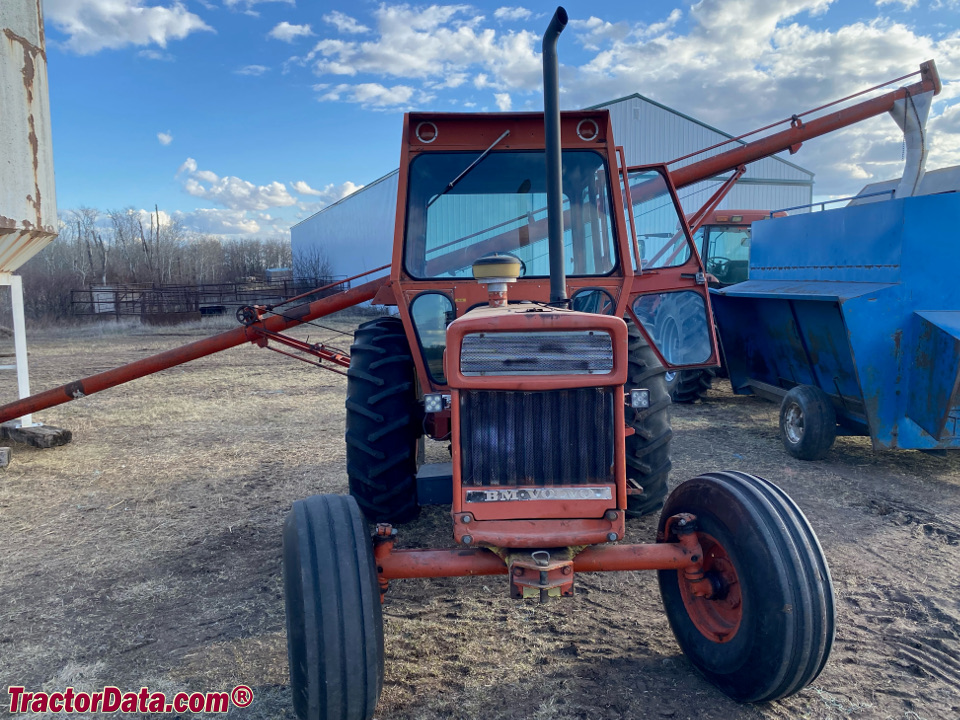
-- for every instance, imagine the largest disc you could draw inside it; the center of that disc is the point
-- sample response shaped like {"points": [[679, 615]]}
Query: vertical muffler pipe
{"points": [[551, 125]]}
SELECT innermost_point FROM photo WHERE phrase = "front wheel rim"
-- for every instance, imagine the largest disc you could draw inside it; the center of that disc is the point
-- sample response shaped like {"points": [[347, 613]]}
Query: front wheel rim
{"points": [[717, 618], [793, 424]]}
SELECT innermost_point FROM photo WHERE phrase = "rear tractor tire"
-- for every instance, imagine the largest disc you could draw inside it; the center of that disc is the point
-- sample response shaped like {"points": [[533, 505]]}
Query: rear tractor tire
{"points": [[648, 449], [767, 631], [692, 385], [384, 421], [334, 620], [808, 423]]}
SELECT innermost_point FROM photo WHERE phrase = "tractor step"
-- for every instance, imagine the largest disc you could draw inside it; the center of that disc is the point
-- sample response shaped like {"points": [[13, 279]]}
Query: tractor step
{"points": [[435, 484]]}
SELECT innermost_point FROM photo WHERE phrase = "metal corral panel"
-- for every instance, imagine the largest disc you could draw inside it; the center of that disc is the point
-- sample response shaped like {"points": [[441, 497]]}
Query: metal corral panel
{"points": [[356, 233], [863, 302], [28, 205]]}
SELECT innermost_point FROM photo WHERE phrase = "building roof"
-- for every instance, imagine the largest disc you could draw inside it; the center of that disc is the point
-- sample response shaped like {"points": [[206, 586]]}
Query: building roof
{"points": [[347, 197], [634, 96], [644, 98]]}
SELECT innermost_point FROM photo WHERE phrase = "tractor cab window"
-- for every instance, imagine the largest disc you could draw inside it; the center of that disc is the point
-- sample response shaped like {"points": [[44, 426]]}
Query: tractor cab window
{"points": [[660, 235], [728, 252], [431, 313], [459, 210]]}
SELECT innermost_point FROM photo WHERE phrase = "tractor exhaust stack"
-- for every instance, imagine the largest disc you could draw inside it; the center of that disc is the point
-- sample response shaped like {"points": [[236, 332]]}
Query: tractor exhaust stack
{"points": [[551, 122]]}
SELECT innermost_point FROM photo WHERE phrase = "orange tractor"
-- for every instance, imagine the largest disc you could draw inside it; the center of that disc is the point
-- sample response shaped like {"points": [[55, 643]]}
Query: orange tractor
{"points": [[527, 338], [513, 273]]}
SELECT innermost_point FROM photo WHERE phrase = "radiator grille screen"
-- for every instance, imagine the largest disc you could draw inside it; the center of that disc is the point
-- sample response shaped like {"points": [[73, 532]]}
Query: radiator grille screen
{"points": [[556, 352], [555, 437]]}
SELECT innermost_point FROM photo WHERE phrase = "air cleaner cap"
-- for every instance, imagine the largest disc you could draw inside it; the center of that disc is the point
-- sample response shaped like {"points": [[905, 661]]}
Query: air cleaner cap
{"points": [[502, 267]]}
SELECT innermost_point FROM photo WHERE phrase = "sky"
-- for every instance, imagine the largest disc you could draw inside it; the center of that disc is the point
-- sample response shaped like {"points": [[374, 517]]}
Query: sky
{"points": [[243, 117]]}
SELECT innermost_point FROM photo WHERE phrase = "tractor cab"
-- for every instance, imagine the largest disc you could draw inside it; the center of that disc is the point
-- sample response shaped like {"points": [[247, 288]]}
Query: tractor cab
{"points": [[475, 185], [723, 240]]}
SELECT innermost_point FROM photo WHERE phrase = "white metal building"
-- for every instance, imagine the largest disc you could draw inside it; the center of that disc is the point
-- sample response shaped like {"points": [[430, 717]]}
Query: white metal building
{"points": [[356, 233]]}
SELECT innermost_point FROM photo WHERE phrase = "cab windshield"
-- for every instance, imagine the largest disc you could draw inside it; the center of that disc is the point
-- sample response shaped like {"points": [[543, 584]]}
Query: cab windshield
{"points": [[500, 206]]}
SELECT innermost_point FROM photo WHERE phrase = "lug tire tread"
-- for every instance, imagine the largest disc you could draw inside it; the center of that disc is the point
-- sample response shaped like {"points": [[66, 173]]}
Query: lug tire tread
{"points": [[648, 449], [384, 420]]}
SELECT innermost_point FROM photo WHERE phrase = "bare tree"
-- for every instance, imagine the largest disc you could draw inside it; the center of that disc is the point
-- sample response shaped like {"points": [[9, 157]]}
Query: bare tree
{"points": [[313, 264]]}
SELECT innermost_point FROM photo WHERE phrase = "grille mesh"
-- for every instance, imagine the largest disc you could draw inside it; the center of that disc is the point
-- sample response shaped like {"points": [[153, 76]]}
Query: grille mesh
{"points": [[536, 353], [555, 437]]}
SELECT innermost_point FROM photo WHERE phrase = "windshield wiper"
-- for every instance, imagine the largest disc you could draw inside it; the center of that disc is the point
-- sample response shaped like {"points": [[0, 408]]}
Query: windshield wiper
{"points": [[453, 183]]}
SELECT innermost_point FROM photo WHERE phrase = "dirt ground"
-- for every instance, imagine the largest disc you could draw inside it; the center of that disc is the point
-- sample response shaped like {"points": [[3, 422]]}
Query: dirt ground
{"points": [[147, 553]]}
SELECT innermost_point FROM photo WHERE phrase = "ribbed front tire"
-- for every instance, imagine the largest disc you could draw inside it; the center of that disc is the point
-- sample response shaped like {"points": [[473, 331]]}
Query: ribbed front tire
{"points": [[768, 629], [334, 621]]}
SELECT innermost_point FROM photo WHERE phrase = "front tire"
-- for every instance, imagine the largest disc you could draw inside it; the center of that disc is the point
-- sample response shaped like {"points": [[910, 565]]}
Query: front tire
{"points": [[384, 420], [648, 449], [334, 620], [768, 630]]}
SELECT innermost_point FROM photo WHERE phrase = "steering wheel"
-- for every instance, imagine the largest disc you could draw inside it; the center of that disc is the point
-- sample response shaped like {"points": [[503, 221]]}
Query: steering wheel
{"points": [[719, 266]]}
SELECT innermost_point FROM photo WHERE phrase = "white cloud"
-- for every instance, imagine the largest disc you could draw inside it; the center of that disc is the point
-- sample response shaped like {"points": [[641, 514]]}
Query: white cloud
{"points": [[431, 43], [301, 187], [250, 3], [94, 25], [370, 94], [219, 222], [288, 33], [507, 14], [907, 4], [155, 55], [345, 23], [165, 138], [255, 70], [330, 193], [232, 192], [504, 102]]}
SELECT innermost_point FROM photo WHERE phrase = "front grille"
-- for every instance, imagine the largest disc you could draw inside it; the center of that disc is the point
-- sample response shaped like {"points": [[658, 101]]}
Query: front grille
{"points": [[555, 437], [558, 352]]}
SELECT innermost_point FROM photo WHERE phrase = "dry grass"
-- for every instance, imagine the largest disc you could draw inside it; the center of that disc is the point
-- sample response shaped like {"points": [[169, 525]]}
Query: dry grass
{"points": [[147, 552]]}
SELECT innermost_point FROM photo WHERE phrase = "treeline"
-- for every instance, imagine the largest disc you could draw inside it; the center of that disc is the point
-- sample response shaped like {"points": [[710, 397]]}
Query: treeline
{"points": [[117, 247]]}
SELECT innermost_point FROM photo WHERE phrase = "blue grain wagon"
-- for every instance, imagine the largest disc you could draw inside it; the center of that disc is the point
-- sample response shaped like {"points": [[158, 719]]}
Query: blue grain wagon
{"points": [[851, 317]]}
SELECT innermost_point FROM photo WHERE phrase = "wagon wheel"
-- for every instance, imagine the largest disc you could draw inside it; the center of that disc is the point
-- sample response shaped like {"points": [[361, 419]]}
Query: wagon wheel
{"points": [[334, 621], [808, 423], [767, 630]]}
